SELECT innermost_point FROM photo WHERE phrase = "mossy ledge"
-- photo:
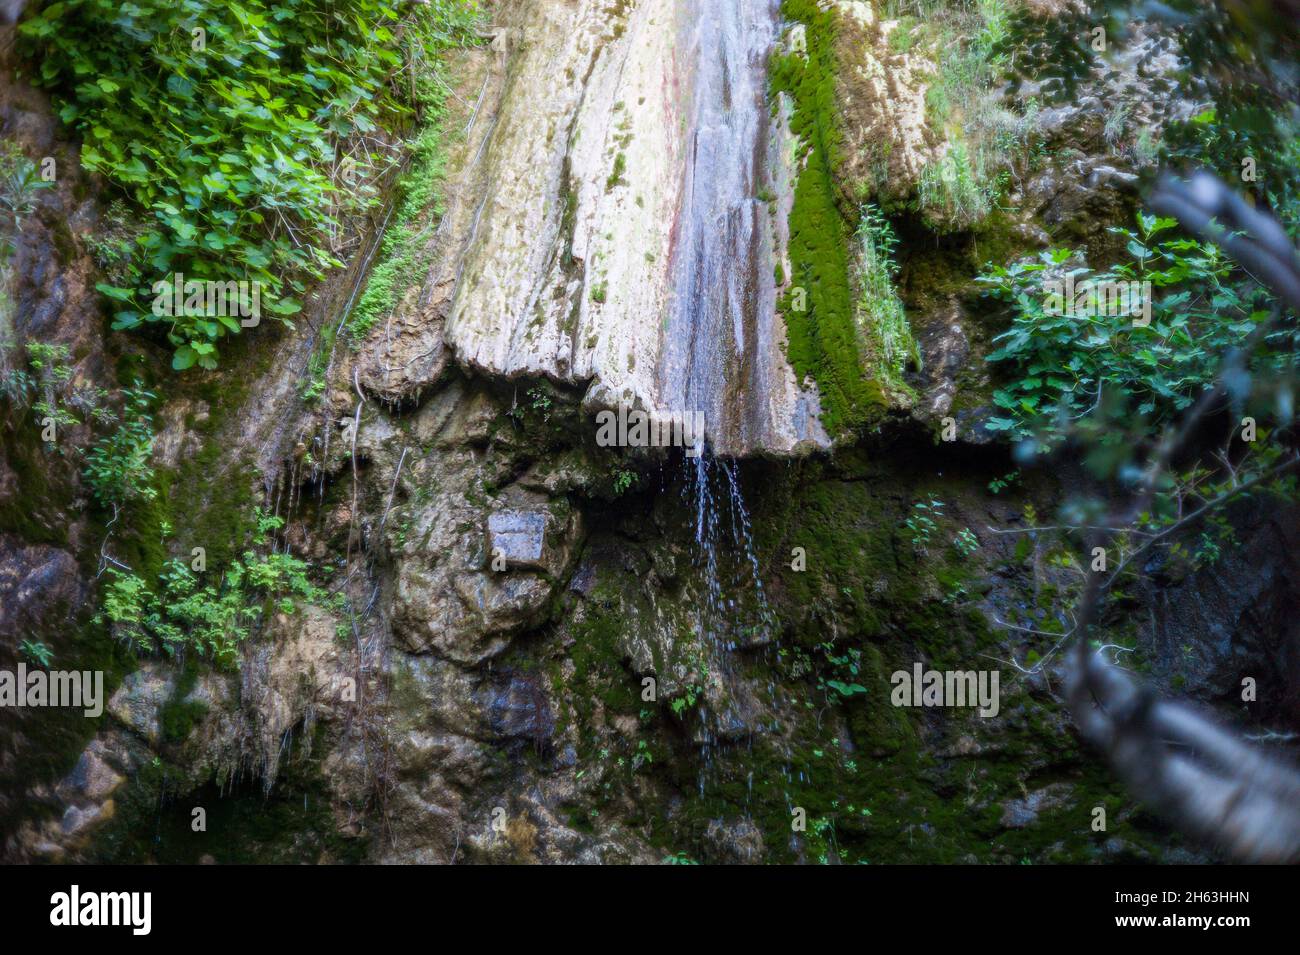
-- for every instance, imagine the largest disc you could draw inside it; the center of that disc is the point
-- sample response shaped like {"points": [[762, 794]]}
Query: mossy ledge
{"points": [[822, 340]]}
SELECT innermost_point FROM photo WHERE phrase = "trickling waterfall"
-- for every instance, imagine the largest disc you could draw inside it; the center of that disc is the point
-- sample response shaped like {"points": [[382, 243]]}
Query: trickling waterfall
{"points": [[734, 612], [714, 495], [720, 322]]}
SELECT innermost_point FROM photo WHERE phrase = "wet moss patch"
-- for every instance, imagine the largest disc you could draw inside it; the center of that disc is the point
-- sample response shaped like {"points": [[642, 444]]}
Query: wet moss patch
{"points": [[818, 305]]}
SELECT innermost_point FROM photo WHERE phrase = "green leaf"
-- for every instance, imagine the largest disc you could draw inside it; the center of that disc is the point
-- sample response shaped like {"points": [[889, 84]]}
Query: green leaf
{"points": [[115, 292], [184, 358]]}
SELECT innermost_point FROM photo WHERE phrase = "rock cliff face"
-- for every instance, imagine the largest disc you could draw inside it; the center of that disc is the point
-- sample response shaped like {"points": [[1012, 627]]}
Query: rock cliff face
{"points": [[537, 649], [622, 243]]}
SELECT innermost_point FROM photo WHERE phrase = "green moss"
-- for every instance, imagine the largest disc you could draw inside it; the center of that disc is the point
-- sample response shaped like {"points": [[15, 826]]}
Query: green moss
{"points": [[822, 340], [599, 665], [178, 717], [419, 197], [37, 513], [616, 177]]}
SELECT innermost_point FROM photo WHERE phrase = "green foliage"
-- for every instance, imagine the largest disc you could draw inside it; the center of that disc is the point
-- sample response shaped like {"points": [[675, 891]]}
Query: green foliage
{"points": [[922, 521], [37, 652], [119, 466], [47, 384], [1246, 127], [19, 183], [1063, 364], [886, 331], [623, 482], [679, 858], [847, 667], [224, 121], [420, 188], [1000, 484], [690, 695], [182, 612], [537, 406], [397, 256], [966, 542]]}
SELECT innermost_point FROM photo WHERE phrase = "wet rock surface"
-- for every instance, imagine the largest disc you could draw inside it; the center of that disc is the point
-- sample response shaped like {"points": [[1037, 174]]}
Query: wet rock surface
{"points": [[584, 238]]}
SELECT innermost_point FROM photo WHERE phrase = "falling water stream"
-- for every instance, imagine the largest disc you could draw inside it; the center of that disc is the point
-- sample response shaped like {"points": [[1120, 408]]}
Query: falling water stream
{"points": [[719, 321], [723, 306]]}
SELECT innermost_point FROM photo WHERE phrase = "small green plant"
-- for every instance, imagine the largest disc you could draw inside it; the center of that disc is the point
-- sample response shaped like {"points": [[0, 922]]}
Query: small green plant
{"points": [[642, 756], [37, 652], [623, 481], [922, 521], [540, 401], [955, 190], [182, 612], [901, 39], [679, 858], [845, 690], [966, 542], [49, 379], [885, 330], [690, 695], [616, 177], [266, 525], [20, 181], [847, 666], [1000, 484], [119, 466], [1146, 149], [822, 840], [1117, 118]]}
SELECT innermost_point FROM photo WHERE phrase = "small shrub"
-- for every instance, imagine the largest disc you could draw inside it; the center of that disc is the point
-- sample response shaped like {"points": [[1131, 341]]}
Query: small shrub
{"points": [[119, 466], [19, 183], [922, 521], [966, 542], [1062, 365]]}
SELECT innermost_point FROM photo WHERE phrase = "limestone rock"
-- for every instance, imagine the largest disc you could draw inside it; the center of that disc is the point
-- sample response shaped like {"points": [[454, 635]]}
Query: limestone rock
{"points": [[139, 700], [1019, 813], [880, 100], [92, 778], [583, 267]]}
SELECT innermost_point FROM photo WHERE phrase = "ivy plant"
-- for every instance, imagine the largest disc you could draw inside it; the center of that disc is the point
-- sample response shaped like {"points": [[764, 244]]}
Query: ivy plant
{"points": [[222, 120]]}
